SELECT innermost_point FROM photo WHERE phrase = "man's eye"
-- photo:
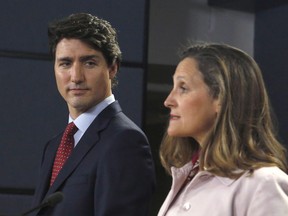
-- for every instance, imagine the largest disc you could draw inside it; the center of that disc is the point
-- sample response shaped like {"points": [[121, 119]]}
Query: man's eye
{"points": [[64, 64], [90, 63]]}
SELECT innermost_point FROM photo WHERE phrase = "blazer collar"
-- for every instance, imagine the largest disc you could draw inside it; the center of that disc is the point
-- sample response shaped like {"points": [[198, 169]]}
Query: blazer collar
{"points": [[180, 174], [88, 140]]}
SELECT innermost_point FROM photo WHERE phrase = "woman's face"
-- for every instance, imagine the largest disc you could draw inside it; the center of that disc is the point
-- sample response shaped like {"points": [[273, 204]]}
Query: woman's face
{"points": [[192, 108]]}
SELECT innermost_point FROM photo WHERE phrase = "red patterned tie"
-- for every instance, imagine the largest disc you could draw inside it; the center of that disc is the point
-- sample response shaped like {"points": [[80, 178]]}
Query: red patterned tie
{"points": [[64, 150]]}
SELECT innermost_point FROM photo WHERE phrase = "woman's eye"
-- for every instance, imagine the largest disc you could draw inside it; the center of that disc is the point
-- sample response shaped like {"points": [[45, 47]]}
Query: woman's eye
{"points": [[183, 88]]}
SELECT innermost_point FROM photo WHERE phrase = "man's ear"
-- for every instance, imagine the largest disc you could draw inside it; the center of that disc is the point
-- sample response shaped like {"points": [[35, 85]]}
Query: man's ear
{"points": [[113, 69]]}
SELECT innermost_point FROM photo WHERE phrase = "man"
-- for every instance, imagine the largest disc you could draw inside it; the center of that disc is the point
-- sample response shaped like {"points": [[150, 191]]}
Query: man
{"points": [[110, 170]]}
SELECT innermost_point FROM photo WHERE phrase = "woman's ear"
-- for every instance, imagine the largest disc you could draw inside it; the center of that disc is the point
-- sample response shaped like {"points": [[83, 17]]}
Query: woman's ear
{"points": [[217, 105]]}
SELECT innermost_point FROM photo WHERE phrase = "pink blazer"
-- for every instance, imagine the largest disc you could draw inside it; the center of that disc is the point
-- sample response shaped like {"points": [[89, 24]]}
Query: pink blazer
{"points": [[265, 193]]}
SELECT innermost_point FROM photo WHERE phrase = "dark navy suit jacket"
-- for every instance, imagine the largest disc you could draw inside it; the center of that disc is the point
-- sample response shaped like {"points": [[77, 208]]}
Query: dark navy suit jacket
{"points": [[110, 171]]}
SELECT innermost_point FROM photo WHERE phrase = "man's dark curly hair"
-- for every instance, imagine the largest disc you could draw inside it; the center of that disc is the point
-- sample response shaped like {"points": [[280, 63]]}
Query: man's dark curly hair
{"points": [[95, 32]]}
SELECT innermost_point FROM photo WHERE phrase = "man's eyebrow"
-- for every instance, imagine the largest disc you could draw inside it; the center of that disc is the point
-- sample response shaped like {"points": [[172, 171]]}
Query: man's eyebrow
{"points": [[64, 59], [82, 58], [89, 57]]}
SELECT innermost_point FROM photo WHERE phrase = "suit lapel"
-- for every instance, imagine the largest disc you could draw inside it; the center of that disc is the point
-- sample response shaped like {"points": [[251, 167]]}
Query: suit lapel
{"points": [[88, 140], [46, 168]]}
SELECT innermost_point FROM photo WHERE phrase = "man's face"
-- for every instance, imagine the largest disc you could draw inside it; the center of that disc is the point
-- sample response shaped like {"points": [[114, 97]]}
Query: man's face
{"points": [[82, 75]]}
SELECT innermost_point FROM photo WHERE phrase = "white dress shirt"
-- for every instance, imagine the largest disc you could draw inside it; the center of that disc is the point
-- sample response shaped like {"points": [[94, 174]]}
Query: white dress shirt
{"points": [[85, 119]]}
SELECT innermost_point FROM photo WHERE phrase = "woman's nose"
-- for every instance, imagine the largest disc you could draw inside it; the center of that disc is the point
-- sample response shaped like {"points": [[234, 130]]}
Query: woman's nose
{"points": [[169, 101]]}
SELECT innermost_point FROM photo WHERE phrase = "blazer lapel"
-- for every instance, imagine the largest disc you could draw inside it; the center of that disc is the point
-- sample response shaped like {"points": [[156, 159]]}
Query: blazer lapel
{"points": [[46, 168], [88, 140]]}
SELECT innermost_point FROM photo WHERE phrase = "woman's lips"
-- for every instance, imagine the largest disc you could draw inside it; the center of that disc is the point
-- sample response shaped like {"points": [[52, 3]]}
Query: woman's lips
{"points": [[174, 117]]}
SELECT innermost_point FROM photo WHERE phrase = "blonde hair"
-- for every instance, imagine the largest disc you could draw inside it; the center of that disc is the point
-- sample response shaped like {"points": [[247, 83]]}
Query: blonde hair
{"points": [[243, 137]]}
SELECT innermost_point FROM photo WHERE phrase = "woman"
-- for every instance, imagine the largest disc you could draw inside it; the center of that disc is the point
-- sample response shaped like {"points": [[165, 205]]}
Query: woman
{"points": [[220, 146]]}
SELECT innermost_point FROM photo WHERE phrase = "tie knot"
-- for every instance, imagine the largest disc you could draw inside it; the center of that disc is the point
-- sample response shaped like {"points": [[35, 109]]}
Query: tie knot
{"points": [[71, 129]]}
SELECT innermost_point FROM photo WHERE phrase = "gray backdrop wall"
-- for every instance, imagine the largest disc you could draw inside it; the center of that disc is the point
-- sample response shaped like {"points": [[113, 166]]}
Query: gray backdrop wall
{"points": [[271, 52]]}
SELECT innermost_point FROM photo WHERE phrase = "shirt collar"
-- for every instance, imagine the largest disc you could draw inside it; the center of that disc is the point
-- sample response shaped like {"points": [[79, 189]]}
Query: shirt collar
{"points": [[85, 119]]}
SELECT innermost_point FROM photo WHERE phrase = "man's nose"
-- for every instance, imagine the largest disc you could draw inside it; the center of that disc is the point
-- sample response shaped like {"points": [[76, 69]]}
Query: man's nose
{"points": [[76, 73]]}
